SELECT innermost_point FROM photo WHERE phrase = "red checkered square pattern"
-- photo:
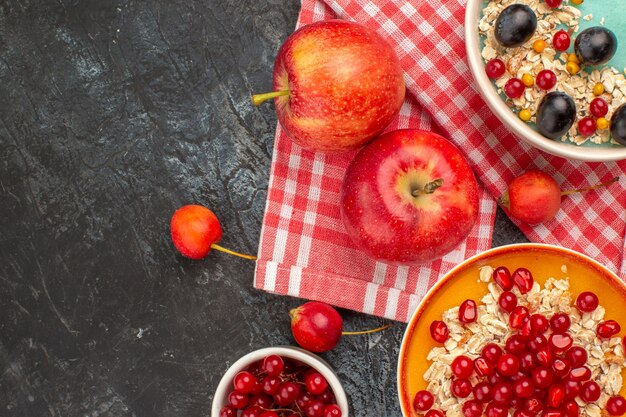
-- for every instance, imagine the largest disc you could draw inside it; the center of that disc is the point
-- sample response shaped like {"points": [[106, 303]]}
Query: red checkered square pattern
{"points": [[304, 250]]}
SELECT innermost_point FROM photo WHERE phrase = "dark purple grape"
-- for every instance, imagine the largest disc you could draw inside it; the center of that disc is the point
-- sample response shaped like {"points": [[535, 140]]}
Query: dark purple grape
{"points": [[515, 25], [618, 125], [555, 115], [595, 45]]}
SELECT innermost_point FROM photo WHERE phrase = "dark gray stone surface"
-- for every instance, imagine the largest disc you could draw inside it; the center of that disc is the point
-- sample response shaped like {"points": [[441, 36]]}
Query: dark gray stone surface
{"points": [[113, 113]]}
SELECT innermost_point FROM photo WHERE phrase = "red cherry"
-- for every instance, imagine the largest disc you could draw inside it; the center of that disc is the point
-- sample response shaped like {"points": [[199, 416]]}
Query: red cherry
{"points": [[571, 408], [590, 392], [333, 410], [539, 323], [439, 331], [316, 326], [238, 400], [194, 229], [586, 126], [587, 301], [560, 322], [553, 3], [314, 408], [546, 79], [544, 357], [491, 352], [472, 408], [507, 301], [608, 329], [482, 366], [523, 387], [495, 68], [433, 413], [560, 342], [273, 365], [508, 365], [244, 382], [538, 342], [315, 383], [580, 374], [502, 277], [542, 376], [598, 107], [561, 40], [514, 345], [423, 400], [527, 361], [270, 384], [468, 311], [518, 317], [514, 88], [561, 367], [462, 367], [228, 411], [577, 356], [556, 394], [287, 393], [482, 392], [616, 406], [572, 389], [461, 388], [496, 410]]}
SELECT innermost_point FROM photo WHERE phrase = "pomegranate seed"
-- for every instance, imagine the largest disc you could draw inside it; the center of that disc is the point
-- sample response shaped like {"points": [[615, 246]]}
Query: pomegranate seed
{"points": [[314, 408], [523, 413], [508, 365], [502, 277], [587, 301], [527, 361], [542, 377], [546, 79], [608, 329], [270, 384], [495, 68], [228, 411], [482, 392], [516, 403], [238, 400], [571, 408], [496, 410], [507, 301], [472, 408], [491, 352], [315, 383], [560, 342], [586, 126], [514, 344], [244, 382], [526, 332], [572, 389], [544, 357], [462, 367], [580, 374], [534, 404], [467, 311], [502, 393], [482, 367], [616, 406], [522, 277], [561, 40], [494, 378], [514, 88], [523, 387], [439, 331], [560, 322], [423, 400], [590, 392], [433, 413], [273, 365], [538, 342], [333, 410], [552, 413], [598, 107], [287, 393], [518, 316], [577, 356], [540, 323], [553, 3], [556, 393], [561, 367], [461, 388]]}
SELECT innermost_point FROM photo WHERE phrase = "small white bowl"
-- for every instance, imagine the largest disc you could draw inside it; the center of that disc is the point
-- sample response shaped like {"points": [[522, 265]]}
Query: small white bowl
{"points": [[226, 384], [498, 106]]}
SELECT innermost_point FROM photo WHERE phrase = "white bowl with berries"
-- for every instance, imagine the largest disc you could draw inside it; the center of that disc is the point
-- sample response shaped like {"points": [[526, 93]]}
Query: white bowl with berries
{"points": [[280, 381], [553, 72]]}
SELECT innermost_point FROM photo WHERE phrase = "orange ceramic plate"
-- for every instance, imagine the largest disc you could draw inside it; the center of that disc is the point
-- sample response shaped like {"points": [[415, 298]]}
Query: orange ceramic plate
{"points": [[461, 283]]}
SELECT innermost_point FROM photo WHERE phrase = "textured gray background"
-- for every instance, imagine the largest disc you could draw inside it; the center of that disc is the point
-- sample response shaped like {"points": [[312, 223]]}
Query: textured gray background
{"points": [[112, 115]]}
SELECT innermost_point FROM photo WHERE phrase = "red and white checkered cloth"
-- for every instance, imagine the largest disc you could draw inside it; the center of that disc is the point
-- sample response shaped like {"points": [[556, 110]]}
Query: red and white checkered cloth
{"points": [[304, 250]]}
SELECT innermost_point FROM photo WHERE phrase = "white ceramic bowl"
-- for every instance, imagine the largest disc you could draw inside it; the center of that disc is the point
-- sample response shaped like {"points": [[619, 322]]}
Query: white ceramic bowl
{"points": [[497, 105], [226, 384]]}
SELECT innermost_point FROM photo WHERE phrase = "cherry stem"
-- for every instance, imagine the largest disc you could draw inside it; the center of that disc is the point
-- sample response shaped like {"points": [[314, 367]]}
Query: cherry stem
{"points": [[378, 329], [258, 99], [593, 187], [230, 252], [428, 188]]}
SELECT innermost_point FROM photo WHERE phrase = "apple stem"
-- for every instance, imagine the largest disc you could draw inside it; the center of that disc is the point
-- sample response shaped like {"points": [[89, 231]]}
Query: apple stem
{"points": [[503, 200], [428, 188], [593, 187], [378, 329], [230, 252], [258, 99]]}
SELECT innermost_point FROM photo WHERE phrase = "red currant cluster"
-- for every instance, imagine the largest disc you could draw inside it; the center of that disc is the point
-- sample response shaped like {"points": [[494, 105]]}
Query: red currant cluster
{"points": [[277, 387], [538, 371], [598, 108]]}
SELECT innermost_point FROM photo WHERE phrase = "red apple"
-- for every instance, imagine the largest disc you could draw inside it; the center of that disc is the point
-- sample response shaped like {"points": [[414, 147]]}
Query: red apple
{"points": [[337, 84], [409, 196]]}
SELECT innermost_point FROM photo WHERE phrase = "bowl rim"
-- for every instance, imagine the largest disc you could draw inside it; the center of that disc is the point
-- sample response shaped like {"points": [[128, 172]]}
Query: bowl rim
{"points": [[453, 272], [292, 352], [509, 118]]}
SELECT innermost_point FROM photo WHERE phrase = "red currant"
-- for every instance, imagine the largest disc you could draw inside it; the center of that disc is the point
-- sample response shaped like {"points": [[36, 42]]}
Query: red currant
{"points": [[561, 40], [244, 382], [507, 301], [270, 384], [333, 410], [546, 79], [228, 411], [586, 126], [462, 367], [423, 400], [560, 322], [598, 107], [287, 393], [273, 365], [252, 412], [571, 408], [554, 3], [508, 365], [608, 329], [314, 408], [327, 397], [514, 88], [495, 68], [238, 400], [616, 406], [439, 331], [269, 413], [587, 301], [315, 383], [461, 388], [261, 400], [590, 392]]}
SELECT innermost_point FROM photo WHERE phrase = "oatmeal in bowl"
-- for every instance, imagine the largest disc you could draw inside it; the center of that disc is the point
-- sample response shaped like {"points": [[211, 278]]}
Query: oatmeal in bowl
{"points": [[555, 75]]}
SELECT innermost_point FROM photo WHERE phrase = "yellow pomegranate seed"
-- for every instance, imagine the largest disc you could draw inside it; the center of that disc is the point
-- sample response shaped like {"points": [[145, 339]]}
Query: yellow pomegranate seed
{"points": [[602, 123], [598, 89], [573, 58], [577, 2], [539, 45], [572, 68], [528, 80], [525, 115]]}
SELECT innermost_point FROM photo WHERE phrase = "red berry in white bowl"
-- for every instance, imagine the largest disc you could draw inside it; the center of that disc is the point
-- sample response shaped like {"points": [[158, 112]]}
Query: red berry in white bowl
{"points": [[598, 107], [546, 79], [514, 88], [332, 410], [586, 126], [495, 68], [553, 3], [315, 383], [561, 40]]}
